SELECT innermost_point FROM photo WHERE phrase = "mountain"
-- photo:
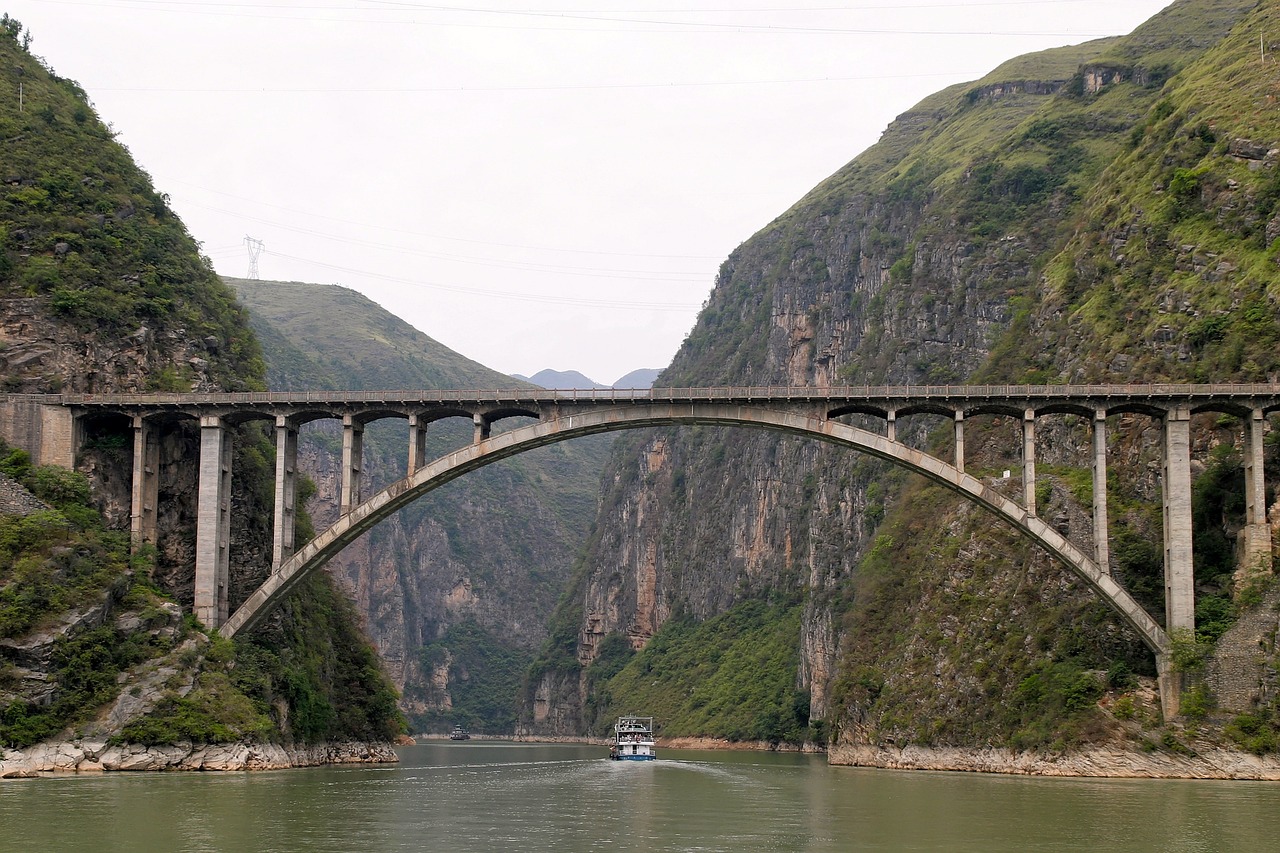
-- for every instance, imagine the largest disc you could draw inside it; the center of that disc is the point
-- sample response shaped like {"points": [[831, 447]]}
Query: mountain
{"points": [[564, 379], [1101, 212], [103, 290], [558, 379], [455, 589], [642, 378]]}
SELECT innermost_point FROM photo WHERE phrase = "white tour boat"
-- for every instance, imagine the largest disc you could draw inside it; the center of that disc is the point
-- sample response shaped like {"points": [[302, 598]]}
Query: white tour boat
{"points": [[633, 739]]}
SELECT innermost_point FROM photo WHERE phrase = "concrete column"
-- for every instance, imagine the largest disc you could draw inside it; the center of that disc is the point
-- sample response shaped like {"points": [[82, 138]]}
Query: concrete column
{"points": [[1257, 530], [1029, 460], [146, 483], [417, 443], [286, 491], [482, 428], [213, 523], [1169, 683], [891, 425], [352, 453], [1101, 524], [960, 440], [1179, 577]]}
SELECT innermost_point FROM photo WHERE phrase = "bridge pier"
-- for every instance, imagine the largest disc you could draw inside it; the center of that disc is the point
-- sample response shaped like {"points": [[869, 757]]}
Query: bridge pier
{"points": [[891, 425], [1257, 530], [352, 460], [1101, 524], [145, 489], [960, 440], [1029, 460], [213, 522], [482, 428], [1170, 683], [286, 488]]}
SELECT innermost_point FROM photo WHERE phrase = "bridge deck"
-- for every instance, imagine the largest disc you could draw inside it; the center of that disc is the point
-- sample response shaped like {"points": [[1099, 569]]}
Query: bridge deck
{"points": [[871, 394]]}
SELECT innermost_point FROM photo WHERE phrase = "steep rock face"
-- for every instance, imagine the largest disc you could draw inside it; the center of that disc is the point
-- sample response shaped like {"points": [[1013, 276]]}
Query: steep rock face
{"points": [[919, 263], [493, 550]]}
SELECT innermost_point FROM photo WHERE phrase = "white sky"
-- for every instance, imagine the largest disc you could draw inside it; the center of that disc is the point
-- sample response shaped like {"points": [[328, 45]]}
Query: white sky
{"points": [[534, 184]]}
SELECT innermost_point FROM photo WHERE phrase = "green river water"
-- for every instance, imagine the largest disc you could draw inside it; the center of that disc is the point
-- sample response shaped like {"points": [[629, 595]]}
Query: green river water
{"points": [[492, 796]]}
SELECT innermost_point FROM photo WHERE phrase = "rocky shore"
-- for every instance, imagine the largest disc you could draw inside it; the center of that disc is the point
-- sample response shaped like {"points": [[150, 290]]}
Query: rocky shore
{"points": [[84, 756], [1119, 763]]}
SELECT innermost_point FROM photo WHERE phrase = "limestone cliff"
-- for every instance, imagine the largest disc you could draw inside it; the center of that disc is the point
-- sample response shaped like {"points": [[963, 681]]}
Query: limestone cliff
{"points": [[1087, 213]]}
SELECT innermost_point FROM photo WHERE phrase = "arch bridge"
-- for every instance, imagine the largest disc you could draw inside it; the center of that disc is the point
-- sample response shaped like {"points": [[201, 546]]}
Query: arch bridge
{"points": [[52, 428]]}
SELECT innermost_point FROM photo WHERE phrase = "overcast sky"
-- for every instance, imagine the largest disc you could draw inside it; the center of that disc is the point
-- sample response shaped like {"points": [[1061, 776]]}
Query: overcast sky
{"points": [[534, 184]]}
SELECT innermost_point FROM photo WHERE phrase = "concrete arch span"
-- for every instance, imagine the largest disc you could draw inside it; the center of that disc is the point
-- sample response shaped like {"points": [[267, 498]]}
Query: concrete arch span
{"points": [[572, 425]]}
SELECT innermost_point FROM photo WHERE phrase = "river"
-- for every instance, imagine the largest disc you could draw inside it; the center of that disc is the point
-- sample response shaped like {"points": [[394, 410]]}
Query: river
{"points": [[494, 796]]}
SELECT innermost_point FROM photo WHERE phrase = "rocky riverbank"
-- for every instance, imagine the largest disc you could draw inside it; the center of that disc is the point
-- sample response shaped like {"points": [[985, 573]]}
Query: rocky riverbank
{"points": [[1214, 763], [83, 756]]}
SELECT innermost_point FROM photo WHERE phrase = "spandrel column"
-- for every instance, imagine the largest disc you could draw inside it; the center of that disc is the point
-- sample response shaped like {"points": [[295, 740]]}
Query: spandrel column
{"points": [[283, 528], [146, 483], [352, 453], [213, 522], [417, 443], [1101, 524], [1029, 460], [1179, 575]]}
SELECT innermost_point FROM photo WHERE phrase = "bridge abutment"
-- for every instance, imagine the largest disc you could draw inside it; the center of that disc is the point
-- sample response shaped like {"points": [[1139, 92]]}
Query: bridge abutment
{"points": [[50, 434]]}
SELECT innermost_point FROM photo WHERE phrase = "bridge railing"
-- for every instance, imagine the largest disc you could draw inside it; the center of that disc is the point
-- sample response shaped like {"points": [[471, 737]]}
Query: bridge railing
{"points": [[756, 393]]}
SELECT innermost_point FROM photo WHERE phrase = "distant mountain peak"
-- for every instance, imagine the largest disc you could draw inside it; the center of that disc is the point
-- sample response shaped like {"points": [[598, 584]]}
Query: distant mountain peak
{"points": [[554, 380]]}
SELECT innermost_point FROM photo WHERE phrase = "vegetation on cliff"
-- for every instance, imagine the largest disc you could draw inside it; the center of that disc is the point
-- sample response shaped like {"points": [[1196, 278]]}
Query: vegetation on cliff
{"points": [[102, 289], [83, 230], [730, 677]]}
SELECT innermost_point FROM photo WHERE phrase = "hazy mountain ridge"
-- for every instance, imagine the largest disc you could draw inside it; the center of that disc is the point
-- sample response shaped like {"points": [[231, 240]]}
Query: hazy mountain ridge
{"points": [[564, 379]]}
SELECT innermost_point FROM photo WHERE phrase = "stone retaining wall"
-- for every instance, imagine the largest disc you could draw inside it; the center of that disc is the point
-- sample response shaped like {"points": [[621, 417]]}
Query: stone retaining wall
{"points": [[1209, 764], [85, 756]]}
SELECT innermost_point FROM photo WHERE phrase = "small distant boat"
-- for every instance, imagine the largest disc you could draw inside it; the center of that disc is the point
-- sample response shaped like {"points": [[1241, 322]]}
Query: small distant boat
{"points": [[459, 733], [633, 739]]}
